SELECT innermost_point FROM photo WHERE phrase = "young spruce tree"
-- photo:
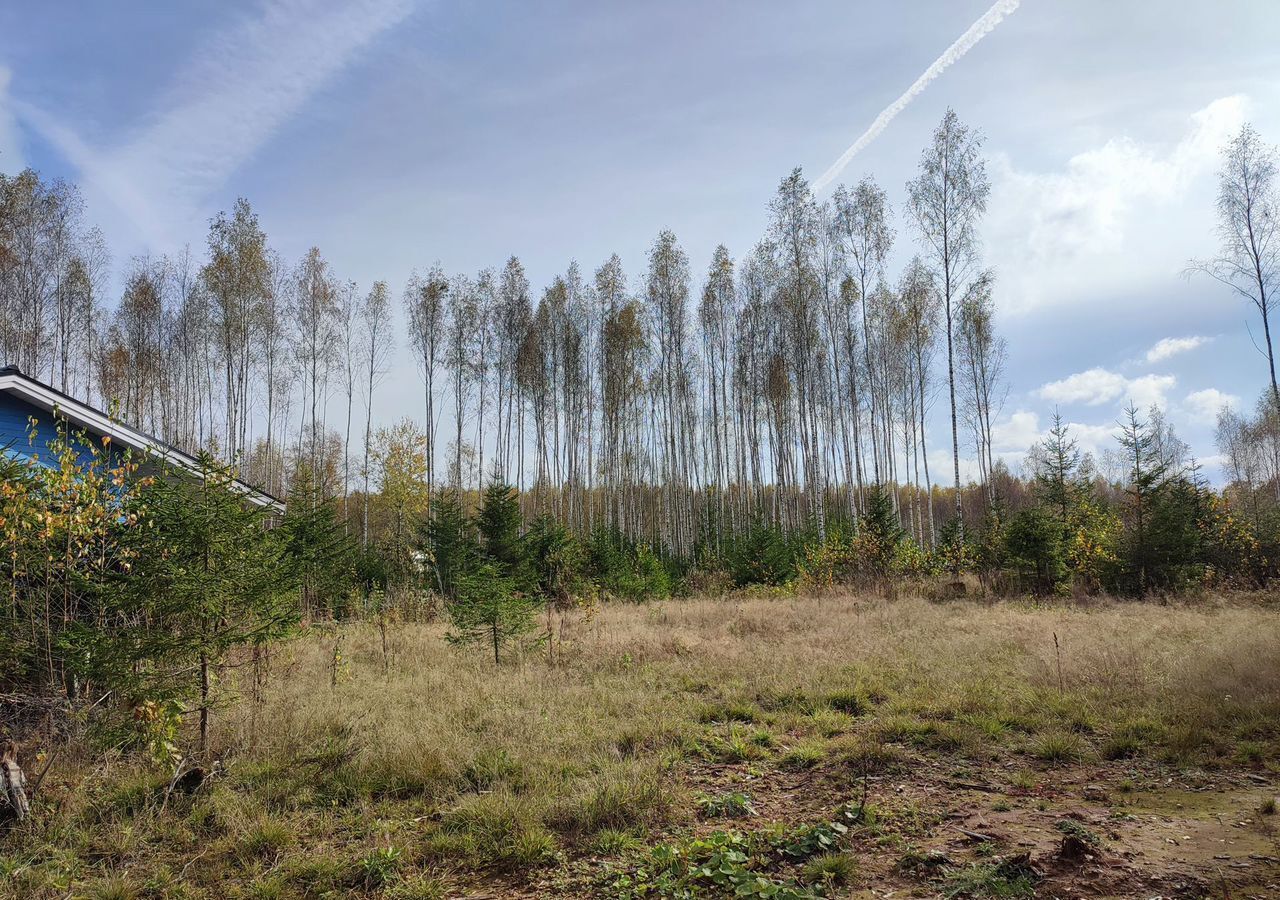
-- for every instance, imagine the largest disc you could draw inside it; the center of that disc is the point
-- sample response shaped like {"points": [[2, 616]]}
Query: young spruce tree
{"points": [[213, 577], [449, 545], [488, 609], [1148, 477]]}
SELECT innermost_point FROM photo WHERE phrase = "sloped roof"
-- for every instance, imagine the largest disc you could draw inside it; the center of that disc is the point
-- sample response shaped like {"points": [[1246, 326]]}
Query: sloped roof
{"points": [[81, 415]]}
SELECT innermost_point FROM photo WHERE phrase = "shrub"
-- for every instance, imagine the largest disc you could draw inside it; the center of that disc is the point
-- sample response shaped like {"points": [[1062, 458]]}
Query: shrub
{"points": [[736, 745], [764, 555], [497, 829], [829, 722], [498, 524], [266, 838], [1132, 739], [804, 755], [724, 711], [830, 870], [555, 560], [611, 841], [852, 703], [1057, 747], [627, 796], [626, 569], [1010, 878], [111, 887], [417, 887], [379, 867], [448, 542], [863, 756], [1073, 829], [1033, 546], [721, 864], [490, 767], [734, 805]]}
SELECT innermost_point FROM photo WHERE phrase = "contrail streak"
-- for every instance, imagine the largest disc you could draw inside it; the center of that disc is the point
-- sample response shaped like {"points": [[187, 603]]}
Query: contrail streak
{"points": [[977, 31]]}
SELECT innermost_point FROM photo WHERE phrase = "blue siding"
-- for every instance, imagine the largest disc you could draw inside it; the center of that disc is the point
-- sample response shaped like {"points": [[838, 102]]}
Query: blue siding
{"points": [[15, 436]]}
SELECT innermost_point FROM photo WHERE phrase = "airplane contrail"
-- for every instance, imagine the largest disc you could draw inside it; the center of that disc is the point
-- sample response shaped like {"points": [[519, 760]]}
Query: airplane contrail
{"points": [[963, 44]]}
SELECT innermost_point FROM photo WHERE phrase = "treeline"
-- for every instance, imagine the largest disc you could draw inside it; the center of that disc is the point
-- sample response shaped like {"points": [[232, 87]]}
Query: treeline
{"points": [[787, 392], [780, 387]]}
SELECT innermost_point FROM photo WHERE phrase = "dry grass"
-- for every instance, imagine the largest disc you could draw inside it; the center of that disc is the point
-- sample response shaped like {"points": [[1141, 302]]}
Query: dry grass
{"points": [[457, 766]]}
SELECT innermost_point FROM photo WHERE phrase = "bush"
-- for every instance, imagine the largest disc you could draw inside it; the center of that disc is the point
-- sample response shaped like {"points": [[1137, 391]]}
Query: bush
{"points": [[496, 829], [554, 560], [626, 797], [626, 569], [804, 755], [830, 870], [1033, 547], [733, 805], [417, 887], [764, 555], [380, 867], [852, 703], [724, 711], [448, 543], [266, 838], [1057, 747]]}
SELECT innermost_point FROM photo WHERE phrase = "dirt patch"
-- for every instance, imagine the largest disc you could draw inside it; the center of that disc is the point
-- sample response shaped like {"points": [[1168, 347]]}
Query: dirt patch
{"points": [[1111, 830]]}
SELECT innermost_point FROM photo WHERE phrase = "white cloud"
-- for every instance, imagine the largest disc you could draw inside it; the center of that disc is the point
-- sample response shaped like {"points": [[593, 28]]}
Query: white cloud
{"points": [[942, 468], [1117, 216], [233, 94], [1167, 347], [1016, 433], [1011, 439], [1093, 438], [1204, 406], [10, 142], [1150, 390], [1097, 386], [1093, 387]]}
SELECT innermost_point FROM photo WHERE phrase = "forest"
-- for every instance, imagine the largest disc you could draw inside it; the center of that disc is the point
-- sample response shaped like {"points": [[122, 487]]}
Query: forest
{"points": [[609, 495]]}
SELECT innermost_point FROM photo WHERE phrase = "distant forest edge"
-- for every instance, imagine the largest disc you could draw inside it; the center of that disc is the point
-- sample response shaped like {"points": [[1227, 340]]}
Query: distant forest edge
{"points": [[769, 426]]}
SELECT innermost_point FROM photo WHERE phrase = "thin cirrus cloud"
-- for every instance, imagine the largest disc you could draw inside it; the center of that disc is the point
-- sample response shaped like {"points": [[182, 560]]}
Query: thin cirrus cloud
{"points": [[1167, 347], [962, 45], [10, 146], [1097, 386], [236, 91]]}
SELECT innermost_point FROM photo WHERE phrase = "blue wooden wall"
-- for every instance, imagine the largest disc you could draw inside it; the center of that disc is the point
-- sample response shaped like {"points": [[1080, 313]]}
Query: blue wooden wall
{"points": [[15, 437]]}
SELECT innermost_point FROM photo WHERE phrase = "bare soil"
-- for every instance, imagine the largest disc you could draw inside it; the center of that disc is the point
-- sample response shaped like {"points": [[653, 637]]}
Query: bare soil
{"points": [[1161, 833]]}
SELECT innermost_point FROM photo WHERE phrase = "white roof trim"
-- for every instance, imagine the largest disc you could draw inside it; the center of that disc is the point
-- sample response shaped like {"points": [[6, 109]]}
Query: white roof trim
{"points": [[85, 416]]}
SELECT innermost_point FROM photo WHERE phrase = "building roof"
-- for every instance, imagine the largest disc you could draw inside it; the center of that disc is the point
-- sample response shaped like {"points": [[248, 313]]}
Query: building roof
{"points": [[81, 415]]}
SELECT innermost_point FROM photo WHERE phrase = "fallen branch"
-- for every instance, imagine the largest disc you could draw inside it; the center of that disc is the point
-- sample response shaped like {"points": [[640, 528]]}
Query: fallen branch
{"points": [[975, 835], [973, 786], [35, 785]]}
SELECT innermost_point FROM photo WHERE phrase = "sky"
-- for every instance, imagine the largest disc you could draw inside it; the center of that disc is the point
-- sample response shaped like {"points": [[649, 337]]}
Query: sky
{"points": [[395, 133]]}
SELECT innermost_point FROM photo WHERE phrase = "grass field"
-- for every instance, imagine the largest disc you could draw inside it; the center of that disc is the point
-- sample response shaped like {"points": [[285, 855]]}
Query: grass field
{"points": [[768, 746]]}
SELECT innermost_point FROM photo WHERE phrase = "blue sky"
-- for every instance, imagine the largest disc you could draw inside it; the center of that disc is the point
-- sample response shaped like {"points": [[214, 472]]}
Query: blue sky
{"points": [[394, 133]]}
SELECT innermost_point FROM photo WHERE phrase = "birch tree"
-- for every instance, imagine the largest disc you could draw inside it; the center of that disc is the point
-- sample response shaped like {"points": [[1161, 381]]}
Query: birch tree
{"points": [[946, 201], [378, 345], [424, 299], [1249, 231]]}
